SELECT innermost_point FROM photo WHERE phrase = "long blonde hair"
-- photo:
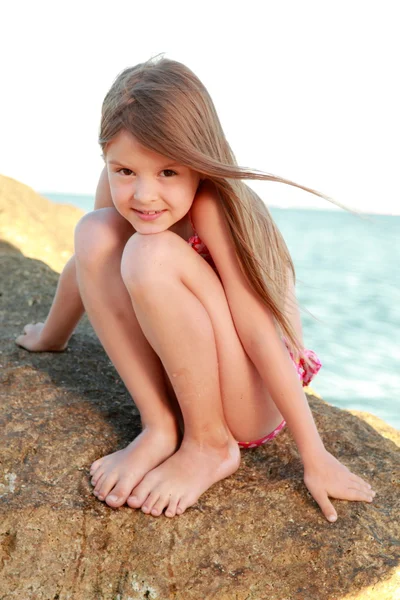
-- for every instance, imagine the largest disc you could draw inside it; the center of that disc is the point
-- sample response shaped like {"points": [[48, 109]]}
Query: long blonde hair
{"points": [[168, 110]]}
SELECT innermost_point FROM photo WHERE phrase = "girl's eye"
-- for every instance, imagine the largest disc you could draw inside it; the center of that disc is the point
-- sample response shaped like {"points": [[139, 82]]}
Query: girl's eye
{"points": [[125, 171]]}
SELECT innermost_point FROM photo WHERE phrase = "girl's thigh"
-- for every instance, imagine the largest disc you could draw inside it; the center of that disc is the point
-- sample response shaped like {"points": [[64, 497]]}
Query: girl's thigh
{"points": [[248, 407]]}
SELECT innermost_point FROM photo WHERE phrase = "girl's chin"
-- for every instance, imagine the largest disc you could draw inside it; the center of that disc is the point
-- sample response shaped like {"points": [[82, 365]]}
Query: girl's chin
{"points": [[149, 226]]}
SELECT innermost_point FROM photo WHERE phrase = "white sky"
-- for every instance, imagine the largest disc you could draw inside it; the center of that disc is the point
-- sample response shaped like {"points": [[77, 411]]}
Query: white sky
{"points": [[305, 89]]}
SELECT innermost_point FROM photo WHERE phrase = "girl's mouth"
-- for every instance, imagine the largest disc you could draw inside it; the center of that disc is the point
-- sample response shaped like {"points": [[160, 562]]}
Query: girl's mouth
{"points": [[149, 216]]}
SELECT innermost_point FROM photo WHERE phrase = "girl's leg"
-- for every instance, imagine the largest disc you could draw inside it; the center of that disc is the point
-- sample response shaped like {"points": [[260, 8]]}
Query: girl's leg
{"points": [[183, 311], [100, 240]]}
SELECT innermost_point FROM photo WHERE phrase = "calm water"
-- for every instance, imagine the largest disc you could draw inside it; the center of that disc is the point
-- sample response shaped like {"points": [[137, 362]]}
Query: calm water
{"points": [[348, 272]]}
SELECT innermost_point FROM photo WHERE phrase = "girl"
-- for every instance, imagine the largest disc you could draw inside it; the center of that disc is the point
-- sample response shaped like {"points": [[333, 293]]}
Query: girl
{"points": [[190, 288]]}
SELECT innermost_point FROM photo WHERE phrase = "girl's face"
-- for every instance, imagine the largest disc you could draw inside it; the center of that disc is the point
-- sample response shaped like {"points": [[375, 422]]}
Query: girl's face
{"points": [[144, 181]]}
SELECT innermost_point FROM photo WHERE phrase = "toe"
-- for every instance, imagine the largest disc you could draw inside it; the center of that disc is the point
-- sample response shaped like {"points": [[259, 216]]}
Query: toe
{"points": [[180, 509], [150, 501], [134, 502], [172, 506], [184, 503], [98, 484], [119, 494], [107, 484], [139, 494], [96, 477], [94, 466], [115, 500], [159, 506]]}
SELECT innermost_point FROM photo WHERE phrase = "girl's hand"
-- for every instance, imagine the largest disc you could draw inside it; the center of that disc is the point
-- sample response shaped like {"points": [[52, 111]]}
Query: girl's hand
{"points": [[326, 477], [32, 340]]}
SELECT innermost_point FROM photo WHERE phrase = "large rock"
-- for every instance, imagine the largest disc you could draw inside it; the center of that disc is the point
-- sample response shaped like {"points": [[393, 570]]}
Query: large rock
{"points": [[257, 535], [39, 228]]}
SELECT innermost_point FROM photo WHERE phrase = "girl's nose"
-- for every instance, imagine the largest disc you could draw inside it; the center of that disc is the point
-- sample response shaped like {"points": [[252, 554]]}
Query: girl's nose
{"points": [[144, 192]]}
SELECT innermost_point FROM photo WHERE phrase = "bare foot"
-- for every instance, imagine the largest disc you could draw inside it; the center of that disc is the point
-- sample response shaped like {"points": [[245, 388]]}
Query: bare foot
{"points": [[180, 480], [32, 340], [115, 475]]}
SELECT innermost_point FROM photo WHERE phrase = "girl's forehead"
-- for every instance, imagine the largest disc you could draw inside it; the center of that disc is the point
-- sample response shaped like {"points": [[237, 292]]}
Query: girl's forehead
{"points": [[124, 140], [125, 145]]}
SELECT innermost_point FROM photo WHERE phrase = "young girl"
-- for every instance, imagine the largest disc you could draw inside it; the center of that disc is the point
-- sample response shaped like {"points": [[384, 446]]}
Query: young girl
{"points": [[190, 288]]}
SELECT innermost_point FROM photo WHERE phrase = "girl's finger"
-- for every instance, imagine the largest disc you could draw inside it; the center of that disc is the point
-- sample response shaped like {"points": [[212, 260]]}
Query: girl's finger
{"points": [[326, 506], [358, 495], [20, 341], [362, 487], [359, 480]]}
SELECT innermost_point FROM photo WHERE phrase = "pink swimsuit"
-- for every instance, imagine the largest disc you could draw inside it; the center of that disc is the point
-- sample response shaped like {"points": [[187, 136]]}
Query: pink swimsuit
{"points": [[201, 248], [306, 372]]}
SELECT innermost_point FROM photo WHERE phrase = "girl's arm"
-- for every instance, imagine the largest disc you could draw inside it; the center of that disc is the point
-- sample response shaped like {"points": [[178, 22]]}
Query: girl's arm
{"points": [[324, 476], [67, 308]]}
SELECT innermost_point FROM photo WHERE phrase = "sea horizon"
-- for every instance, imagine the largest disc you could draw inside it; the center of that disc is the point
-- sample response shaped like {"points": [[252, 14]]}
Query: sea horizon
{"points": [[87, 201]]}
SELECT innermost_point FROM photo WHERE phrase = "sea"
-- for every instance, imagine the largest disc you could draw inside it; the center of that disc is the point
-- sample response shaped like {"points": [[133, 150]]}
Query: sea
{"points": [[348, 288]]}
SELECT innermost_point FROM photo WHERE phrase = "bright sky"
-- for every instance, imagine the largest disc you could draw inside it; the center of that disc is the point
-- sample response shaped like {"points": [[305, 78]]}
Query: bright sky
{"points": [[306, 90]]}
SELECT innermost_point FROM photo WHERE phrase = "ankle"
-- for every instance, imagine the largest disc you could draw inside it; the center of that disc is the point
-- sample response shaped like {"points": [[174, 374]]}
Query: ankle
{"points": [[217, 439], [167, 427]]}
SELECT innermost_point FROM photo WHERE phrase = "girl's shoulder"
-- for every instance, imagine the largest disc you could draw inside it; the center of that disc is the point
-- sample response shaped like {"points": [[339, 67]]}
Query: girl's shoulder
{"points": [[206, 212], [211, 227]]}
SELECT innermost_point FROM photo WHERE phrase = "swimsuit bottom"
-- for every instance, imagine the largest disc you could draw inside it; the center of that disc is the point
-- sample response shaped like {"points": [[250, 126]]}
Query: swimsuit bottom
{"points": [[306, 373]]}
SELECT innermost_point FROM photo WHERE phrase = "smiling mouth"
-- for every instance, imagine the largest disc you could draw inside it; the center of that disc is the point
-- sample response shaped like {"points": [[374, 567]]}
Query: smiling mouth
{"points": [[151, 212]]}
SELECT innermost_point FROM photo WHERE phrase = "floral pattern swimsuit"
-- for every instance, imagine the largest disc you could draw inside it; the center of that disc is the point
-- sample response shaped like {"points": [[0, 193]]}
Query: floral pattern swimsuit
{"points": [[305, 371]]}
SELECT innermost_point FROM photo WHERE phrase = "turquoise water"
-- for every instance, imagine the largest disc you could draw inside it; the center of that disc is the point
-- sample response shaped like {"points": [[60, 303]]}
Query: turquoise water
{"points": [[348, 277], [348, 272]]}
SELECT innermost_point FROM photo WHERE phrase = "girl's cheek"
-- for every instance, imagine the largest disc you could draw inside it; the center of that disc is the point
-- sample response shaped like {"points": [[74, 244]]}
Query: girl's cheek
{"points": [[118, 194]]}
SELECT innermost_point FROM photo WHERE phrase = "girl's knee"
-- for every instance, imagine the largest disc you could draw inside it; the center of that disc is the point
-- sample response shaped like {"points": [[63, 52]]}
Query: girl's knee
{"points": [[147, 257], [100, 232]]}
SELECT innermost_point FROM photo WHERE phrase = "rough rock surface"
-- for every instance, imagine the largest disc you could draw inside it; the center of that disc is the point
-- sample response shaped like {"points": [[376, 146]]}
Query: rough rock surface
{"points": [[257, 535]]}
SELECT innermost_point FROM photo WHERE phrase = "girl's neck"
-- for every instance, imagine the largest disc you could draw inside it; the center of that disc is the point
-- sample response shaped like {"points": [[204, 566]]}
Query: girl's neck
{"points": [[183, 228]]}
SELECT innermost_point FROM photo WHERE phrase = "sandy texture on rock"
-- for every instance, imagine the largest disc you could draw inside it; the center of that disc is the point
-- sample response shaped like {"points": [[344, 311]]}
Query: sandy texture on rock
{"points": [[257, 535]]}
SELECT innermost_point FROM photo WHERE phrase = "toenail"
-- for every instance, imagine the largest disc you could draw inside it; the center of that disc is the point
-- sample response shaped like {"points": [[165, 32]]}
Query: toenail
{"points": [[154, 511], [95, 493], [113, 498], [145, 509]]}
